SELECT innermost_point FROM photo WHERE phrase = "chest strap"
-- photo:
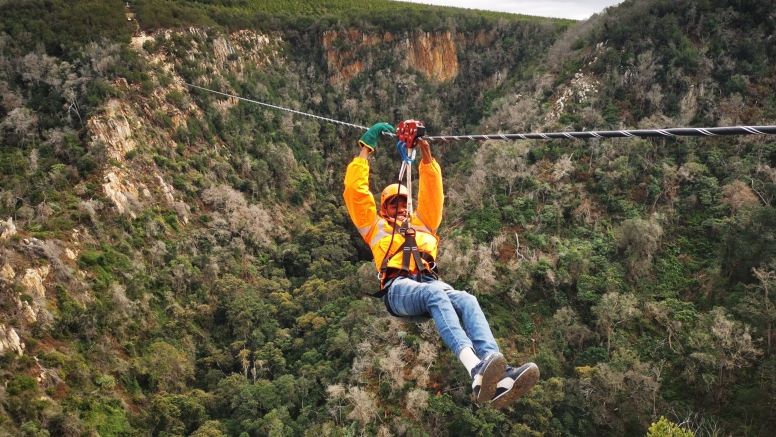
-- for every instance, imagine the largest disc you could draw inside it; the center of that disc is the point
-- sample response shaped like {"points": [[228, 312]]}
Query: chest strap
{"points": [[409, 251]]}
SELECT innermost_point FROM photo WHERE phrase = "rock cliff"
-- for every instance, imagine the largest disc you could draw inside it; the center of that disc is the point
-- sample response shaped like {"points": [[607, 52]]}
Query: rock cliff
{"points": [[9, 340], [433, 54]]}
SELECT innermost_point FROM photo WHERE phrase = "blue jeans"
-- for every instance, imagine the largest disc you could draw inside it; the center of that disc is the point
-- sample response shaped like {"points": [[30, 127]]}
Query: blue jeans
{"points": [[457, 314]]}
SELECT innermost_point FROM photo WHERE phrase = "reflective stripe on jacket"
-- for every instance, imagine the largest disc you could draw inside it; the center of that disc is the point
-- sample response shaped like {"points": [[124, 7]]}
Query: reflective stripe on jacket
{"points": [[377, 231]]}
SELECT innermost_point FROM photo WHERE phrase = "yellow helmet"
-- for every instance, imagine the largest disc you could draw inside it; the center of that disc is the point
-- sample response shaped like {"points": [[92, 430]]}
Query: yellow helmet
{"points": [[392, 191]]}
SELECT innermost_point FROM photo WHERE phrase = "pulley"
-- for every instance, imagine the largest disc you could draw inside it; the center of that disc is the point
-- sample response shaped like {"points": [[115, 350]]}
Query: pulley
{"points": [[409, 131]]}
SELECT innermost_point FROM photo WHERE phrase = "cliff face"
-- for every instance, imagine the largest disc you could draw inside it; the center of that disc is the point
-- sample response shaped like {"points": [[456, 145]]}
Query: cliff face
{"points": [[433, 54], [231, 52], [119, 125]]}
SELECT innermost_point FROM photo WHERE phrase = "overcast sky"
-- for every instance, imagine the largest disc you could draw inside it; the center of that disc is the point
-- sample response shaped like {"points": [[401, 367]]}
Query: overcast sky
{"points": [[574, 9]]}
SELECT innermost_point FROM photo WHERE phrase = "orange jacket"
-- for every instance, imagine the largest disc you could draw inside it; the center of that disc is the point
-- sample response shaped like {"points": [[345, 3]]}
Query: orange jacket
{"points": [[377, 231]]}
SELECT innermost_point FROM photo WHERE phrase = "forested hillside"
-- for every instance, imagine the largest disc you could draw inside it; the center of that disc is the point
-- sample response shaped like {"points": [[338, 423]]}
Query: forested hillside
{"points": [[173, 262]]}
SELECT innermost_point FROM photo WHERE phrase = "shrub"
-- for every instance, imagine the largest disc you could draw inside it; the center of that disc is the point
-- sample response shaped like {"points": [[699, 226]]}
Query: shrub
{"points": [[20, 384], [666, 428], [484, 223], [639, 239]]}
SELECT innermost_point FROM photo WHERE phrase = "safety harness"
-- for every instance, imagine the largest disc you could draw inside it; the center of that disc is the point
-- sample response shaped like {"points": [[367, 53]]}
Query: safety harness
{"points": [[408, 132], [409, 251]]}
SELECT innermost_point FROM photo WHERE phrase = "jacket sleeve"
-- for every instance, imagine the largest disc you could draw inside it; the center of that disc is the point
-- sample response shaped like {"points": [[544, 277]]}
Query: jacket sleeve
{"points": [[358, 198], [431, 197]]}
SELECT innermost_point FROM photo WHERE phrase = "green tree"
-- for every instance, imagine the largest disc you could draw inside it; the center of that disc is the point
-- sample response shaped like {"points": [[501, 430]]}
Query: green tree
{"points": [[32, 429], [167, 368], [211, 428], [746, 243], [720, 348], [535, 409], [179, 414], [759, 303], [666, 428], [613, 310], [639, 239]]}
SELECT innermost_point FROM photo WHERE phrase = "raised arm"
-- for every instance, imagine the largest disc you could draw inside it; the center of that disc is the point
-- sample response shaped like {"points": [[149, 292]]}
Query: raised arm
{"points": [[431, 197], [358, 198]]}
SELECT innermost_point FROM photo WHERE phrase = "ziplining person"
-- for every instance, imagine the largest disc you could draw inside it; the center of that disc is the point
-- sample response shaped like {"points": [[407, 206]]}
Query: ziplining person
{"points": [[404, 247]]}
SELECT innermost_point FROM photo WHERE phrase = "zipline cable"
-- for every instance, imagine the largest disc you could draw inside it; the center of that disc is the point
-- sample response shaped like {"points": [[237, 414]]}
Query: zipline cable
{"points": [[280, 108], [642, 133]]}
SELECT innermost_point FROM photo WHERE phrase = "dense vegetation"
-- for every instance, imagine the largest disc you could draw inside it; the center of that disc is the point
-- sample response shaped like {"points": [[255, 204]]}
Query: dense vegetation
{"points": [[283, 16], [224, 293]]}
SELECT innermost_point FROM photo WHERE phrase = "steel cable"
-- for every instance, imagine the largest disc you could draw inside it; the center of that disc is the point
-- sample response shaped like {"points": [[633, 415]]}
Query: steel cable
{"points": [[293, 111], [642, 133]]}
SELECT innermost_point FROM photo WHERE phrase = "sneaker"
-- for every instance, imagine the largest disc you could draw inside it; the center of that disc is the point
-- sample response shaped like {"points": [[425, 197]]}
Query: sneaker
{"points": [[515, 383], [486, 374]]}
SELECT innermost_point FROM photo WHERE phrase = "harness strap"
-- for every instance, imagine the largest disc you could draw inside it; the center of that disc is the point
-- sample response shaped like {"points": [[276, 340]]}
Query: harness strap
{"points": [[384, 290], [410, 249], [387, 257]]}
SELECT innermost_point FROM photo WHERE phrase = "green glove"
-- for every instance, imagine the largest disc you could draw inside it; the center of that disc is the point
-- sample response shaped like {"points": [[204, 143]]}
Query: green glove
{"points": [[369, 139]]}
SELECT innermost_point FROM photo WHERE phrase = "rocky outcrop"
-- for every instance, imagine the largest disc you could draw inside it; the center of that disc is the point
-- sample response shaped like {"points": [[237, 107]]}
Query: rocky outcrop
{"points": [[9, 340], [237, 49], [28, 313], [113, 128], [232, 52], [7, 229], [689, 104], [7, 273], [340, 52], [119, 190], [433, 54], [581, 88], [137, 41], [166, 189], [33, 282], [119, 125]]}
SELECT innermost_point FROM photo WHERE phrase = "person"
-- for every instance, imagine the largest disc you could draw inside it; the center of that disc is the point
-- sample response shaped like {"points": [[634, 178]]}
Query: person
{"points": [[408, 283]]}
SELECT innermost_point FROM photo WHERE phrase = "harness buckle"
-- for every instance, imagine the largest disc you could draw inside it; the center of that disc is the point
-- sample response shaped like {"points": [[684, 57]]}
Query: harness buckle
{"points": [[405, 226]]}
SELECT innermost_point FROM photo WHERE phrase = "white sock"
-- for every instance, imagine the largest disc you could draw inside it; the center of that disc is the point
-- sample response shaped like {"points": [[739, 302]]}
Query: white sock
{"points": [[468, 358]]}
